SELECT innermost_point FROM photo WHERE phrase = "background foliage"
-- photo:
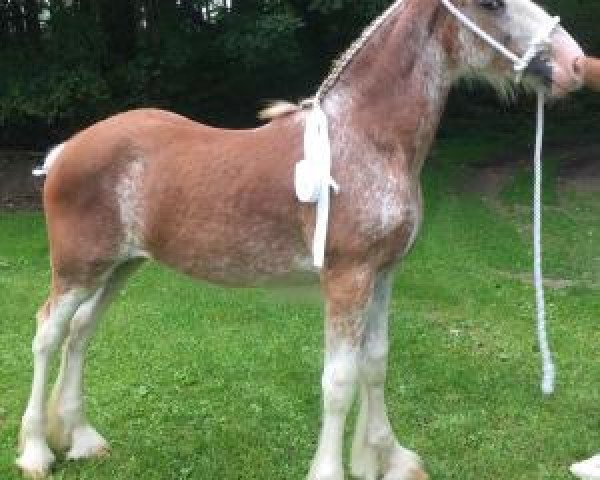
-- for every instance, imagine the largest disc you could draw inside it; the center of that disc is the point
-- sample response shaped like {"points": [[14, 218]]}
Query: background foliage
{"points": [[67, 63]]}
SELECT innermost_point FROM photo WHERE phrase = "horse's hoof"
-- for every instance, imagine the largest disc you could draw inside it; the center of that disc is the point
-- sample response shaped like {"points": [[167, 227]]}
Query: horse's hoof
{"points": [[35, 461], [419, 474], [412, 474], [98, 452], [405, 465], [325, 472], [87, 443], [33, 474]]}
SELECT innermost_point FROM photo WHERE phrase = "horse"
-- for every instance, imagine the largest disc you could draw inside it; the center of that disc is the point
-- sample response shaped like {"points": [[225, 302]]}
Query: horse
{"points": [[220, 205]]}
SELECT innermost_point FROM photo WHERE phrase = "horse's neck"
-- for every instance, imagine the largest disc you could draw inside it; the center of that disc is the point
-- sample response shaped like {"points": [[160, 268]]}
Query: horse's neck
{"points": [[395, 89]]}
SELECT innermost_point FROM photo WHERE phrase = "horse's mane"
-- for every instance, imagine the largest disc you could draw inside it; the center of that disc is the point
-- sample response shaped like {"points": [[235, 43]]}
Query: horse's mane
{"points": [[282, 108], [341, 63]]}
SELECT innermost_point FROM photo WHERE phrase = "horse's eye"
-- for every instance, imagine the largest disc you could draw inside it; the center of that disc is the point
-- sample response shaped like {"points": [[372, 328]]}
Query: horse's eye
{"points": [[492, 4]]}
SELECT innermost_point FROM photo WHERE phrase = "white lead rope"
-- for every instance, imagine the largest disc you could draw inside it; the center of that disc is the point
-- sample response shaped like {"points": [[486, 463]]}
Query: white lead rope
{"points": [[548, 368], [520, 64]]}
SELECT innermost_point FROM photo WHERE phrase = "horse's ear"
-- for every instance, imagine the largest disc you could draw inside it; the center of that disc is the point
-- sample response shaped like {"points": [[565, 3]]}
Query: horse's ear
{"points": [[492, 4]]}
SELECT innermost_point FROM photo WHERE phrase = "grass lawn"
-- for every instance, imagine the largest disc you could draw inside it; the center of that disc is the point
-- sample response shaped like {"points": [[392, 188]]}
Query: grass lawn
{"points": [[187, 380]]}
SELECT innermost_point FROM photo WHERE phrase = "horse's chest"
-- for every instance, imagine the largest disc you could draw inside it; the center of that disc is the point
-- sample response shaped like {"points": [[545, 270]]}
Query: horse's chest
{"points": [[387, 205], [385, 210], [377, 214]]}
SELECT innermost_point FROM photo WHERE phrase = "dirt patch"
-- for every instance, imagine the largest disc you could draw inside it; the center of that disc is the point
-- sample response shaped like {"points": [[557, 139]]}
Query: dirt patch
{"points": [[550, 283], [19, 189], [579, 170], [488, 180]]}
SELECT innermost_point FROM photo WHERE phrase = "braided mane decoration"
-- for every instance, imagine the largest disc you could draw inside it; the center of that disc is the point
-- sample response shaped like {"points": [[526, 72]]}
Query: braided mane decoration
{"points": [[312, 175], [344, 60], [280, 108]]}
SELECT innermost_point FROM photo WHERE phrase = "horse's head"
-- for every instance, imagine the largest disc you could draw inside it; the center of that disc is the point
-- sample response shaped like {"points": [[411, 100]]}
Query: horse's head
{"points": [[519, 25]]}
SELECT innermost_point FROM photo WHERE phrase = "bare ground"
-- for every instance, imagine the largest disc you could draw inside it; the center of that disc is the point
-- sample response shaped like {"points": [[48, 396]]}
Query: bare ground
{"points": [[19, 189], [580, 170]]}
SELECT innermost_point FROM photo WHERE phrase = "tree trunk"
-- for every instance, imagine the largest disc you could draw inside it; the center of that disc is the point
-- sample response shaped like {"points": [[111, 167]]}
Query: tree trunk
{"points": [[17, 25], [32, 21]]}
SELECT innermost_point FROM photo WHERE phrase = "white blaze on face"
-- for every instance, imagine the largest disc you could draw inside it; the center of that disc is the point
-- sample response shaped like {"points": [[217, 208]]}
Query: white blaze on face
{"points": [[524, 22], [567, 76], [521, 27]]}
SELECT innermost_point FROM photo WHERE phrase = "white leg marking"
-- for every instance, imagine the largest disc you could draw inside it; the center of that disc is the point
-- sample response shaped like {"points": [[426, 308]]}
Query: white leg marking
{"points": [[67, 425], [375, 450], [338, 382], [36, 458], [86, 443], [363, 459]]}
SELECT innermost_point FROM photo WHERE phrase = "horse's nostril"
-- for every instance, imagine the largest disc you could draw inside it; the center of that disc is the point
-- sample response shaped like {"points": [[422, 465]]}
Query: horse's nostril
{"points": [[578, 68], [541, 69]]}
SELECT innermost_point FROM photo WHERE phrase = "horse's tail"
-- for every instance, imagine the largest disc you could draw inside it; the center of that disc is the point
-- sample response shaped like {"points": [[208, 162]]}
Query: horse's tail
{"points": [[281, 108], [50, 159]]}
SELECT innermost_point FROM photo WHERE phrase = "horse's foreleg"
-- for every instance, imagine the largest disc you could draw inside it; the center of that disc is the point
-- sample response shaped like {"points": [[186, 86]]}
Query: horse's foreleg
{"points": [[68, 428], [347, 293], [375, 450], [53, 322]]}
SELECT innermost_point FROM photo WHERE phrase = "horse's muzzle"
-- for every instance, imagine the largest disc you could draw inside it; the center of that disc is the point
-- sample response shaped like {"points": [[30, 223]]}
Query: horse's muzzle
{"points": [[541, 69]]}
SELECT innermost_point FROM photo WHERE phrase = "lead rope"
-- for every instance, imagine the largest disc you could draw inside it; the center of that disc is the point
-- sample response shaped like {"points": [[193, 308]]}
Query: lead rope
{"points": [[520, 65], [548, 368]]}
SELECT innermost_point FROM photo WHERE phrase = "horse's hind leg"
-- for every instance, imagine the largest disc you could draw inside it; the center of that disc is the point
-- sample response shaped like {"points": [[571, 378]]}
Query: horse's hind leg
{"points": [[68, 428], [375, 450], [53, 321]]}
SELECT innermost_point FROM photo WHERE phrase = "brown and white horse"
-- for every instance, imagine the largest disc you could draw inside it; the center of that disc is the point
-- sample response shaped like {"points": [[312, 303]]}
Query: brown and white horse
{"points": [[220, 205]]}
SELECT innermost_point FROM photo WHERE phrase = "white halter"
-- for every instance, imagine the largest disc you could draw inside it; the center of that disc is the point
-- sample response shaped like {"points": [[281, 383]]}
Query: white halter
{"points": [[537, 44], [313, 173]]}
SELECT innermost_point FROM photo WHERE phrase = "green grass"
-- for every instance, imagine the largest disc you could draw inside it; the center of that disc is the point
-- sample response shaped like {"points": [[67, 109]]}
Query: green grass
{"points": [[187, 380]]}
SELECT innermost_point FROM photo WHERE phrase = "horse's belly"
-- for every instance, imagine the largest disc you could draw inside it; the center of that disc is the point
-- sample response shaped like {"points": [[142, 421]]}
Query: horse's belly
{"points": [[244, 262], [259, 271]]}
